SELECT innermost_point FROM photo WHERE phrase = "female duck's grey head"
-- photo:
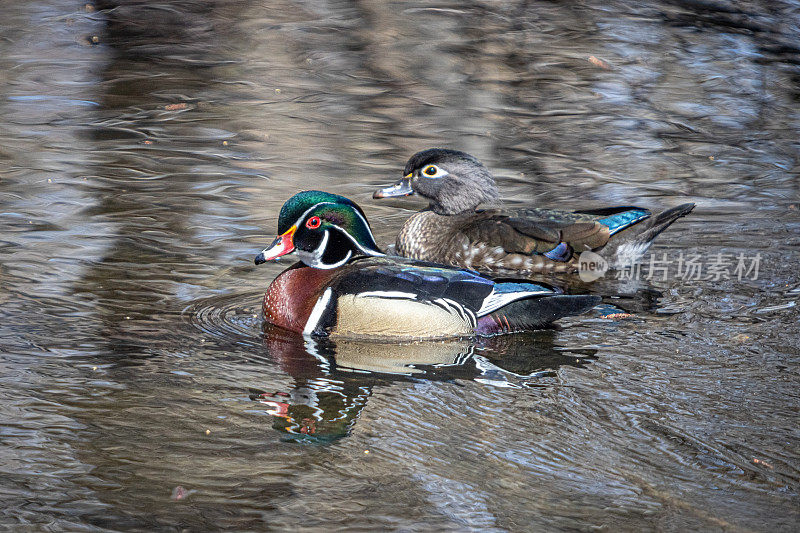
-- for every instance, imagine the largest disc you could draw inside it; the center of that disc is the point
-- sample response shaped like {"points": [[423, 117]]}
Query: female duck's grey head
{"points": [[453, 181]]}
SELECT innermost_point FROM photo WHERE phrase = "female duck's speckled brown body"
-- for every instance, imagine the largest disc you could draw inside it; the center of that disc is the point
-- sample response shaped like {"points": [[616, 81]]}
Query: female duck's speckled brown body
{"points": [[466, 240], [452, 231]]}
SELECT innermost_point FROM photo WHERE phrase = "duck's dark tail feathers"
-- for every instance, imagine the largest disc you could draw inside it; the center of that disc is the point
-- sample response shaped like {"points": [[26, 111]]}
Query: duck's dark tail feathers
{"points": [[534, 313], [630, 245]]}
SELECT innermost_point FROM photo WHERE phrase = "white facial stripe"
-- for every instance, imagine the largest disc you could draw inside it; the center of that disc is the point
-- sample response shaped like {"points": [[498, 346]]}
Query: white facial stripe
{"points": [[340, 263], [366, 225], [316, 313], [314, 258], [307, 211], [364, 220], [321, 248], [367, 251]]}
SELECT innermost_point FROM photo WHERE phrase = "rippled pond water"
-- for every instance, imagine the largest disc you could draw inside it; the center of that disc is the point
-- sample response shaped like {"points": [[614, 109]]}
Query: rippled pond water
{"points": [[146, 148]]}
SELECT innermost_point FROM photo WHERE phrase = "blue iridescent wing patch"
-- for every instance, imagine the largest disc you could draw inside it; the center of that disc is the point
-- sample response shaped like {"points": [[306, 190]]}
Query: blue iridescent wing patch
{"points": [[626, 219]]}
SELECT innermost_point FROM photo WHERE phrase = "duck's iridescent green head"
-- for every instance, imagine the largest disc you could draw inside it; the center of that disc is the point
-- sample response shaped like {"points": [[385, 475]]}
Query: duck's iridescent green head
{"points": [[325, 229]]}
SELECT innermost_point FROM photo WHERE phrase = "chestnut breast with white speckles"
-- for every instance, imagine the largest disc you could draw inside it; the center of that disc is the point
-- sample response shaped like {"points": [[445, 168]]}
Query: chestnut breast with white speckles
{"points": [[291, 296]]}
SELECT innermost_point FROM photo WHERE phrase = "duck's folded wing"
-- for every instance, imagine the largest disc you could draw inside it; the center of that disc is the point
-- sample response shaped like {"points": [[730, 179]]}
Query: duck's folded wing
{"points": [[579, 235], [555, 238], [532, 313], [416, 280]]}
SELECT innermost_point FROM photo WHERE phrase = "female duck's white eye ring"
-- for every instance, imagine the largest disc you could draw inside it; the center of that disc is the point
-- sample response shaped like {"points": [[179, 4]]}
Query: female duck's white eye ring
{"points": [[432, 171]]}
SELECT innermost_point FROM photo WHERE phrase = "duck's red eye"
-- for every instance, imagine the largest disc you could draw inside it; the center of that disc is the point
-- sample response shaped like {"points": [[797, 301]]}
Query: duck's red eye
{"points": [[313, 223]]}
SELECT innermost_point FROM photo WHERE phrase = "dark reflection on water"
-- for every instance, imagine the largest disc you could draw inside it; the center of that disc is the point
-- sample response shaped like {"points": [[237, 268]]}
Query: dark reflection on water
{"points": [[147, 146], [333, 378]]}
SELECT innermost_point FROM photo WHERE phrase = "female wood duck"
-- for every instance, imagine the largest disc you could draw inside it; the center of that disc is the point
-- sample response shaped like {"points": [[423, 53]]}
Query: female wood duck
{"points": [[452, 231], [346, 286]]}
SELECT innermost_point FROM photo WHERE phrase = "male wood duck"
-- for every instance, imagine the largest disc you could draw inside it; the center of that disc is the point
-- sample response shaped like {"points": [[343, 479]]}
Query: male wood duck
{"points": [[346, 286], [452, 231]]}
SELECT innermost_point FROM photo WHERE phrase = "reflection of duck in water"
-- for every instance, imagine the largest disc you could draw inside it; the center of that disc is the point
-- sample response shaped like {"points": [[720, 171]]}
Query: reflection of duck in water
{"points": [[333, 379], [353, 290], [320, 406]]}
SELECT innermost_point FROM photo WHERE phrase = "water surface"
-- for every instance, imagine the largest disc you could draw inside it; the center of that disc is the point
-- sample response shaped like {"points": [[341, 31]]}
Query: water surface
{"points": [[146, 148]]}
